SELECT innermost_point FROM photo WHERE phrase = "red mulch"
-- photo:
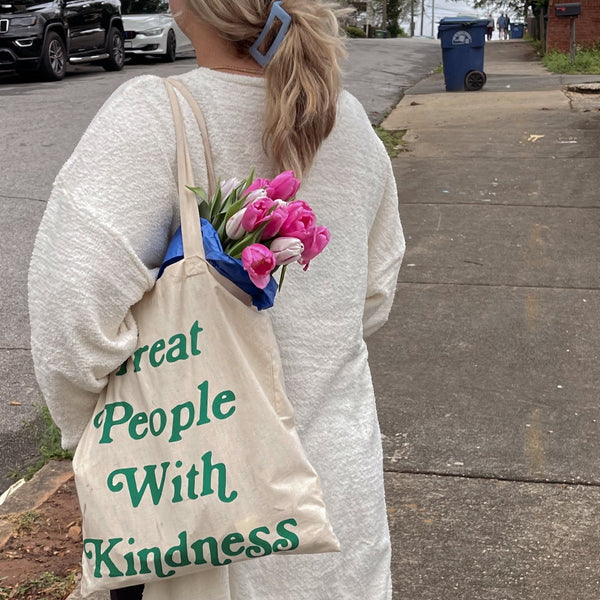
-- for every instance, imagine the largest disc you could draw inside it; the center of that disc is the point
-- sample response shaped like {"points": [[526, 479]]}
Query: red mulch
{"points": [[53, 545]]}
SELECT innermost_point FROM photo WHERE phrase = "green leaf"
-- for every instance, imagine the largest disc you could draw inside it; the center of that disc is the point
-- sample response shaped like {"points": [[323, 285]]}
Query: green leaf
{"points": [[199, 192], [215, 204], [204, 210], [248, 181], [236, 249], [281, 277], [236, 207]]}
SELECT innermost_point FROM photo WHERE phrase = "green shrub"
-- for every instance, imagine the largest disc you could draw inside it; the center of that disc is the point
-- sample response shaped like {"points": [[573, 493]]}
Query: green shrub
{"points": [[355, 32], [536, 44], [586, 61], [394, 30]]}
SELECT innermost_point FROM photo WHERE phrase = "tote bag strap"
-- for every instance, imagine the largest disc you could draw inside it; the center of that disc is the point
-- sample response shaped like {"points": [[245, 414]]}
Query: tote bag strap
{"points": [[188, 207], [210, 170], [191, 231]]}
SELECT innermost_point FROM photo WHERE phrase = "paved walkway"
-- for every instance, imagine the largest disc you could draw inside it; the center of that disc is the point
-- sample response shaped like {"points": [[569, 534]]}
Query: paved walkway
{"points": [[487, 374]]}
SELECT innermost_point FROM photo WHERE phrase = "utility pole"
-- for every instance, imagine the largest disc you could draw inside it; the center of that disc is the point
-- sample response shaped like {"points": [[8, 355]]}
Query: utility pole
{"points": [[412, 18], [370, 18], [432, 15], [384, 15], [422, 15]]}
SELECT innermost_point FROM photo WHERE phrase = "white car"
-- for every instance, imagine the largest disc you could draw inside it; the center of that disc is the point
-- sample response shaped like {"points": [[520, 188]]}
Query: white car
{"points": [[150, 30]]}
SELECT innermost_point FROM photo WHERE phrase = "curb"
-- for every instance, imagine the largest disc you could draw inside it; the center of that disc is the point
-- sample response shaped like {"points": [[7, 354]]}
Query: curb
{"points": [[31, 495]]}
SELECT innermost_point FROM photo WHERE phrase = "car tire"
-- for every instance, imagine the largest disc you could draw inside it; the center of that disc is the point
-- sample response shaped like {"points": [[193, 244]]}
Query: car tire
{"points": [[116, 50], [171, 51], [54, 57]]}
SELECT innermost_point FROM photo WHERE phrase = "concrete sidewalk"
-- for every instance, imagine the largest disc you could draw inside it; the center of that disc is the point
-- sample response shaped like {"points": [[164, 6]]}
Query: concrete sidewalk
{"points": [[487, 374]]}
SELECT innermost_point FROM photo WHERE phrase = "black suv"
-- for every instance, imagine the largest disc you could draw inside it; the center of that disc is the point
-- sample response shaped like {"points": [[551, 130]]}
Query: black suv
{"points": [[43, 36]]}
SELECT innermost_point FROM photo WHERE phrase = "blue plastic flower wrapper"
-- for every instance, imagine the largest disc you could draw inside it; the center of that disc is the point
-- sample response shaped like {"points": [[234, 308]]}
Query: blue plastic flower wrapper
{"points": [[227, 266]]}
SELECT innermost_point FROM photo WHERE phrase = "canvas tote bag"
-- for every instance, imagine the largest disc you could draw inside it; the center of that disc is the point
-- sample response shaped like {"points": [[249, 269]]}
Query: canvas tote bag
{"points": [[191, 460]]}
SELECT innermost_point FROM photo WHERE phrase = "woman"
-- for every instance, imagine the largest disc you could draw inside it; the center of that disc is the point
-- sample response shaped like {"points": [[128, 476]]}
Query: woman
{"points": [[114, 207], [490, 27]]}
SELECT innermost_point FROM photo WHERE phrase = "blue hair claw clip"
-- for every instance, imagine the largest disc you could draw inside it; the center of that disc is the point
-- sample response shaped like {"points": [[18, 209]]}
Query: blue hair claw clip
{"points": [[276, 12]]}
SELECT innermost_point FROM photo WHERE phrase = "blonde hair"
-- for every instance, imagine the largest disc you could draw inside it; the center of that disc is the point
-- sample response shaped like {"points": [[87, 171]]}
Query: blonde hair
{"points": [[303, 80]]}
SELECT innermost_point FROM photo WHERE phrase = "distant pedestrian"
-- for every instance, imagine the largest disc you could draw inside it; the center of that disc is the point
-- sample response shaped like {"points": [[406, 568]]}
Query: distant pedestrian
{"points": [[507, 26], [490, 27], [502, 27]]}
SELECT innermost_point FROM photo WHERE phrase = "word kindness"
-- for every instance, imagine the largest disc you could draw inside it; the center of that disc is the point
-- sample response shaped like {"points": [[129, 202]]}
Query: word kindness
{"points": [[106, 556]]}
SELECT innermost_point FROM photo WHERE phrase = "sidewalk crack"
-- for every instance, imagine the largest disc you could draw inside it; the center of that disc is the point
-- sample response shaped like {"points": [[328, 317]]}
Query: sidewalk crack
{"points": [[532, 480]]}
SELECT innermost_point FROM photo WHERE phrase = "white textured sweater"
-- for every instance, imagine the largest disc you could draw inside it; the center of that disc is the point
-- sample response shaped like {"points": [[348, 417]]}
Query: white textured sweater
{"points": [[102, 238]]}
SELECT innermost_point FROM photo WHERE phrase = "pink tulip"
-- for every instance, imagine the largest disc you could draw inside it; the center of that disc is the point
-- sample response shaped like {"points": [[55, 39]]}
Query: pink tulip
{"points": [[258, 261], [258, 183], [314, 245], [300, 222], [257, 213], [277, 218], [233, 227], [286, 250], [255, 195], [284, 186]]}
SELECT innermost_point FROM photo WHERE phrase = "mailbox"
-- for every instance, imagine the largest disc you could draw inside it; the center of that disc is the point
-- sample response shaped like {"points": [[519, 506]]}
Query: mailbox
{"points": [[572, 9]]}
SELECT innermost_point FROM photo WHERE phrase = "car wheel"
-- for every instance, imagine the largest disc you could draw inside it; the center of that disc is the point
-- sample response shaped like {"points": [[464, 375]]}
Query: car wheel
{"points": [[54, 57], [115, 49], [171, 47]]}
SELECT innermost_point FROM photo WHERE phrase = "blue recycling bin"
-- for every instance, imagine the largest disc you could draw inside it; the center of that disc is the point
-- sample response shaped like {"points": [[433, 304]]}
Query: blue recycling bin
{"points": [[463, 42], [516, 31]]}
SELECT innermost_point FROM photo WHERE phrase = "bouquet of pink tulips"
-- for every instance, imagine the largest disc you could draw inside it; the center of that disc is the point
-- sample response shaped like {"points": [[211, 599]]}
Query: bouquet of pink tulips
{"points": [[260, 222]]}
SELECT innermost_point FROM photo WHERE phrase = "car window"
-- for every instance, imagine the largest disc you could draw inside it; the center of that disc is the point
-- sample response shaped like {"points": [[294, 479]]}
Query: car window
{"points": [[142, 7]]}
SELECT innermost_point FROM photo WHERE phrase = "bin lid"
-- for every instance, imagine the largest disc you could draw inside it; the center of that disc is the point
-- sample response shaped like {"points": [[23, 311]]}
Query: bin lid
{"points": [[461, 21]]}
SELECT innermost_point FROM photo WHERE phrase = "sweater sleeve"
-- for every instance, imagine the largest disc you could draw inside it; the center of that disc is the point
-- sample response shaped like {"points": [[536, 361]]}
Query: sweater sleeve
{"points": [[101, 239], [386, 250]]}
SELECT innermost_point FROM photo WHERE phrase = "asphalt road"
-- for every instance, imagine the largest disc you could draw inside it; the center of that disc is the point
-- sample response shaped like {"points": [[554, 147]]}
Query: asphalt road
{"points": [[40, 124]]}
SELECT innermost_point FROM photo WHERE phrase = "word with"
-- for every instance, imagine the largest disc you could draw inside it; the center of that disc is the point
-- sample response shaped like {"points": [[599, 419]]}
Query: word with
{"points": [[178, 350], [150, 482], [180, 418], [183, 554]]}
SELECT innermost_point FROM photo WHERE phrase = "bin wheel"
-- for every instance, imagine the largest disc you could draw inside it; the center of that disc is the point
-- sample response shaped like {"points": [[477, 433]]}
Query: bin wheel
{"points": [[475, 80]]}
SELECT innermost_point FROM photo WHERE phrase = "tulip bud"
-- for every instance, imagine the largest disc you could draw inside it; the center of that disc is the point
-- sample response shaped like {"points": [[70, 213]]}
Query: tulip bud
{"points": [[284, 186], [286, 250], [257, 213], [314, 244], [255, 195], [258, 261], [234, 228], [228, 186]]}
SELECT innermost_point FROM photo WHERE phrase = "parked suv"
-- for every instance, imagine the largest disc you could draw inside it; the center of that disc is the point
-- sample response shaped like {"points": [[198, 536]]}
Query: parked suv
{"points": [[44, 36]]}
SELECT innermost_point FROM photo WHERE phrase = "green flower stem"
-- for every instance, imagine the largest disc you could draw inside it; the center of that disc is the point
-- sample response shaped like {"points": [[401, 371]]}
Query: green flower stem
{"points": [[236, 249]]}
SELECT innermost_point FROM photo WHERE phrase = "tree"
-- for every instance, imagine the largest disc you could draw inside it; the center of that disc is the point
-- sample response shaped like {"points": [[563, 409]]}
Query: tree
{"points": [[386, 14], [396, 11], [517, 7], [393, 16]]}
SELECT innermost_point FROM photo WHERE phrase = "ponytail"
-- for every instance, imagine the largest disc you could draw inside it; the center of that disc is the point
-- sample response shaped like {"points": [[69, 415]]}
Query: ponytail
{"points": [[303, 80]]}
